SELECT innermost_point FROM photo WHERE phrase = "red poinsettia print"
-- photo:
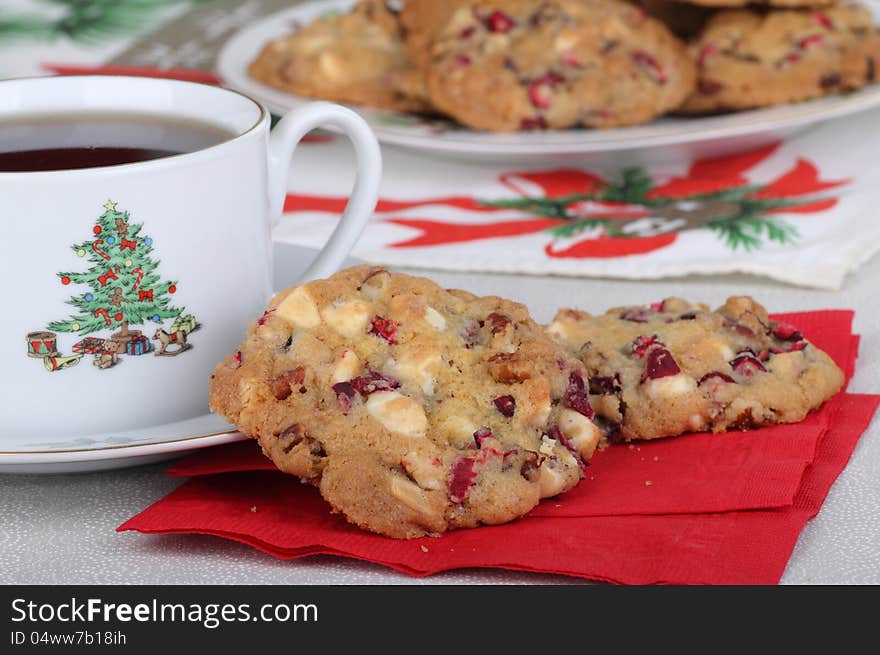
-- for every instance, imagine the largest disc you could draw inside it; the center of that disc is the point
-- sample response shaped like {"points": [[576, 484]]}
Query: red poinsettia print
{"points": [[586, 215]]}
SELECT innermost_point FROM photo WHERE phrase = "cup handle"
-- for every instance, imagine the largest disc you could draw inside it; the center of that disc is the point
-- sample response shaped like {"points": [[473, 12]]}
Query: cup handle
{"points": [[282, 142]]}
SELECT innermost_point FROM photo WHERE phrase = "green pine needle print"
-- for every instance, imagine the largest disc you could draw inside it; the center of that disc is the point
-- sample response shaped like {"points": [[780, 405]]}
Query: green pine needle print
{"points": [[740, 218], [88, 22]]}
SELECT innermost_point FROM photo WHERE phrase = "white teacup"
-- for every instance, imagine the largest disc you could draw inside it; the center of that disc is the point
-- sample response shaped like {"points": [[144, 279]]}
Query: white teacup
{"points": [[189, 279]]}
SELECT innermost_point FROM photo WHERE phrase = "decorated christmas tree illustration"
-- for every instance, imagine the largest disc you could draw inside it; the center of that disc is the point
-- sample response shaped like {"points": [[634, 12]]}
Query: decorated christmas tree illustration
{"points": [[124, 289]]}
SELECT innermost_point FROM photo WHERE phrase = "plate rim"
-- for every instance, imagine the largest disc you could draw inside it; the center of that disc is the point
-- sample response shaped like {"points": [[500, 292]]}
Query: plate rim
{"points": [[232, 70], [124, 451]]}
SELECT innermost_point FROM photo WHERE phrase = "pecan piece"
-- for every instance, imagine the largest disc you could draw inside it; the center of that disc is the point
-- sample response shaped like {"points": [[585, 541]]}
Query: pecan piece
{"points": [[509, 368]]}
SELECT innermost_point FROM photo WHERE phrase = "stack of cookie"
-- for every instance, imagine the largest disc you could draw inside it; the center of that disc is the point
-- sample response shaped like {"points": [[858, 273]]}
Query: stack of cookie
{"points": [[416, 409], [507, 65]]}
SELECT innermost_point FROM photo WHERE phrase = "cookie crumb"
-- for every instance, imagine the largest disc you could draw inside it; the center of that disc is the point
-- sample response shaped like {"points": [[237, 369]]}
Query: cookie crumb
{"points": [[254, 509], [648, 483], [424, 549], [656, 459]]}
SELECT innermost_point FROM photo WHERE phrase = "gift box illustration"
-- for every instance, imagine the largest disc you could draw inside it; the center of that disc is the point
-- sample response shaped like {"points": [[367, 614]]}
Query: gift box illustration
{"points": [[138, 345], [89, 346]]}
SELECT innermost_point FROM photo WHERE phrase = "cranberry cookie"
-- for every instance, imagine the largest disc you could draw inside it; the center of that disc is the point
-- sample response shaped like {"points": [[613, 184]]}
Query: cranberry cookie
{"points": [[750, 59], [355, 57], [675, 367], [787, 4], [412, 408], [508, 65]]}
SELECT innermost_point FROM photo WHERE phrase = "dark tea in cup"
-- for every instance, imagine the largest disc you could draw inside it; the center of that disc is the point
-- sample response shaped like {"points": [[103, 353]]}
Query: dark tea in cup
{"points": [[74, 141]]}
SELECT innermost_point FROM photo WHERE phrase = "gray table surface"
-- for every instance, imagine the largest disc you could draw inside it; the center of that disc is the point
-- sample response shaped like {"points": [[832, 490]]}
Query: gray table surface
{"points": [[60, 528]]}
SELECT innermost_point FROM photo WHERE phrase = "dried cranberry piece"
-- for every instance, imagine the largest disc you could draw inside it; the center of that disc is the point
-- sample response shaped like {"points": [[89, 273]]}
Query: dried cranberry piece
{"points": [[764, 355], [468, 31], [500, 22], [506, 405], [556, 433], [460, 61], [481, 435], [647, 61], [603, 385], [236, 360], [688, 316], [659, 363], [530, 468], [570, 58], [385, 328], [344, 394], [800, 345], [577, 397], [787, 332], [463, 476], [790, 58], [642, 344], [830, 80], [658, 306], [540, 89], [747, 364], [533, 123], [265, 317], [540, 95], [706, 52], [810, 41], [372, 382], [716, 375], [638, 315], [709, 87], [822, 19]]}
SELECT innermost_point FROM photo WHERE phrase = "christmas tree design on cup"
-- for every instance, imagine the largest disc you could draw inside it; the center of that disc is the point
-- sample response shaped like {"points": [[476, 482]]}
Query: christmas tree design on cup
{"points": [[124, 289]]}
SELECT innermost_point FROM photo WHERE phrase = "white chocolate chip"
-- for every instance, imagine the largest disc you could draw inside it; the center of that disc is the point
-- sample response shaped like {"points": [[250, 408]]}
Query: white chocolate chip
{"points": [[671, 385], [562, 329], [374, 286], [547, 445], [427, 473], [435, 318], [300, 309], [580, 431], [347, 367], [696, 422], [412, 496], [539, 413], [460, 429], [331, 66], [417, 366], [348, 318], [565, 41], [550, 481], [788, 366], [398, 413]]}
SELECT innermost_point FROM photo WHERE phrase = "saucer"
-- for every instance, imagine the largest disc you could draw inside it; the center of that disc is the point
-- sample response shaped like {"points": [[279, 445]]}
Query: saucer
{"points": [[100, 452]]}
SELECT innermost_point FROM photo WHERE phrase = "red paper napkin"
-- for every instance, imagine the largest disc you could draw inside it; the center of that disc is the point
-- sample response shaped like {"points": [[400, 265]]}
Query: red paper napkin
{"points": [[696, 509]]}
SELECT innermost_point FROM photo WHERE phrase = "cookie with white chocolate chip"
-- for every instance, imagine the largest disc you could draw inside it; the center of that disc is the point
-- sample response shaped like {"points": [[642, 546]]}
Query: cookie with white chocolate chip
{"points": [[674, 367], [350, 57], [508, 65], [412, 408], [749, 59]]}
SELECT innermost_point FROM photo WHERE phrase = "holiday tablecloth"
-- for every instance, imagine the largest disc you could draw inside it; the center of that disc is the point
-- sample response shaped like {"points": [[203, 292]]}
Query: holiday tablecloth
{"points": [[799, 211]]}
